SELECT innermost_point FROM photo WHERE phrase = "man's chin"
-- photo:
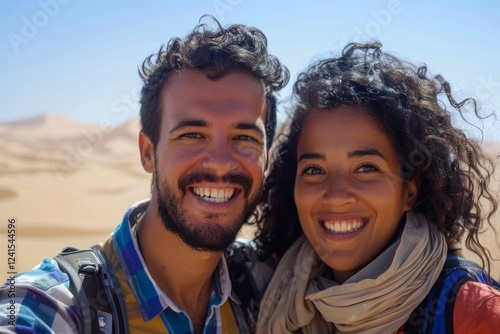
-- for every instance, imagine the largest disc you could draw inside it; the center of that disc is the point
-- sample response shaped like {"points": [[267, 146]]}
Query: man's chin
{"points": [[212, 238]]}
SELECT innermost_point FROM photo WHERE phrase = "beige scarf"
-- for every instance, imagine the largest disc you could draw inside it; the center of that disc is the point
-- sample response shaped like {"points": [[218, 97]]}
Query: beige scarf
{"points": [[378, 299]]}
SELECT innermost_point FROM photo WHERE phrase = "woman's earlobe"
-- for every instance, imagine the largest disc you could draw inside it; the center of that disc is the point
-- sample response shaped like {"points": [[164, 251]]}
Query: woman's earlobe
{"points": [[412, 186]]}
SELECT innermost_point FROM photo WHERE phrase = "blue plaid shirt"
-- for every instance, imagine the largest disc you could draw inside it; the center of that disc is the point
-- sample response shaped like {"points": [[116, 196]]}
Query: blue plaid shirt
{"points": [[42, 302]]}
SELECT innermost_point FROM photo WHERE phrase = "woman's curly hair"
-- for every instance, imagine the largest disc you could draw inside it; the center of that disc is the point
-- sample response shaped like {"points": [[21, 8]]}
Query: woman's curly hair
{"points": [[452, 171]]}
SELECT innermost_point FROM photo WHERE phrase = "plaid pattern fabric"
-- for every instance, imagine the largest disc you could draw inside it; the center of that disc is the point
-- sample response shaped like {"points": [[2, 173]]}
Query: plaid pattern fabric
{"points": [[39, 301]]}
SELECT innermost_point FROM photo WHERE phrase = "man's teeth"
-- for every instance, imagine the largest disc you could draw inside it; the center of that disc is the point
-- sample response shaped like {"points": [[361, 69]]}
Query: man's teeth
{"points": [[214, 195], [344, 226]]}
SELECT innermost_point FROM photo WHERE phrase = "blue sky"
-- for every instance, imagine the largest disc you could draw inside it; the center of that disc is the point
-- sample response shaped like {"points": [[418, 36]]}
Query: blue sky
{"points": [[79, 59]]}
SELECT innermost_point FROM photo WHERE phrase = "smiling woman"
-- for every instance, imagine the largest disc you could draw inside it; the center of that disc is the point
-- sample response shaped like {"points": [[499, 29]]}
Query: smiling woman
{"points": [[368, 197], [348, 189]]}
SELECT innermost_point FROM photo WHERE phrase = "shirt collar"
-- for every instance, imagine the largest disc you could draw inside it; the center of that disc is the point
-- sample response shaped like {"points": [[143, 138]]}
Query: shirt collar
{"points": [[152, 300]]}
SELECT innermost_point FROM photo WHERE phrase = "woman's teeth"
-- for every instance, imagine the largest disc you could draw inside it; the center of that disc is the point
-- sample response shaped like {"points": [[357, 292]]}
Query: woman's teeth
{"points": [[344, 226]]}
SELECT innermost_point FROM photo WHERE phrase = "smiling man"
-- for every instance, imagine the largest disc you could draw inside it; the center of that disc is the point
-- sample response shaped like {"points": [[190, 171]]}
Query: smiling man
{"points": [[208, 116], [209, 159], [207, 170]]}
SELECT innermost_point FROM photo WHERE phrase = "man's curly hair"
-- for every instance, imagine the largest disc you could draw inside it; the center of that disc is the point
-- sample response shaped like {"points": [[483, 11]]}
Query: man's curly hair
{"points": [[217, 51]]}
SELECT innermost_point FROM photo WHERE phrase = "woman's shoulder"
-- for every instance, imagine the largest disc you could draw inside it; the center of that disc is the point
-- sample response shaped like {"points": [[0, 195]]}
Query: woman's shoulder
{"points": [[477, 309], [461, 298]]}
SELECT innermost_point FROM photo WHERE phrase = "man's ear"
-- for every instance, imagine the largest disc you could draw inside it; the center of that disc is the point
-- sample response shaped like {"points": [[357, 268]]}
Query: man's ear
{"points": [[146, 149], [267, 165]]}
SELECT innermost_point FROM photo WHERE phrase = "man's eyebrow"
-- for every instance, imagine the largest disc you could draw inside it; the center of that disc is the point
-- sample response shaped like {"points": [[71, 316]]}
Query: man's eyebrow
{"points": [[250, 126], [201, 123], [311, 156], [189, 122], [362, 153]]}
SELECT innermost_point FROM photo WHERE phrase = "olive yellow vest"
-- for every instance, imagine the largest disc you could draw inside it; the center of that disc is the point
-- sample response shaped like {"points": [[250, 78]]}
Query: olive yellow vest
{"points": [[134, 315]]}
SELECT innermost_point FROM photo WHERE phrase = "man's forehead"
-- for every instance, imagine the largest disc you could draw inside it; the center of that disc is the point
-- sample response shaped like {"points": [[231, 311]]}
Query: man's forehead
{"points": [[195, 79], [191, 92]]}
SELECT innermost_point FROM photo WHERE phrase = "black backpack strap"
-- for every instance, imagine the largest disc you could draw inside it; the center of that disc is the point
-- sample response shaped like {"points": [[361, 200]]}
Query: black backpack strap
{"points": [[89, 316], [96, 289], [242, 285], [249, 279], [244, 327]]}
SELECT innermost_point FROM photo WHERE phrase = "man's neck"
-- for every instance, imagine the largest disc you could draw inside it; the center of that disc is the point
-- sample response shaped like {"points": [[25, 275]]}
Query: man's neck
{"points": [[184, 274]]}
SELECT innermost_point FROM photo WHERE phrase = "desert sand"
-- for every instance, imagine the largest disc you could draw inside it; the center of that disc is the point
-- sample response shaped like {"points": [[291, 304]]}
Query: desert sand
{"points": [[69, 183]]}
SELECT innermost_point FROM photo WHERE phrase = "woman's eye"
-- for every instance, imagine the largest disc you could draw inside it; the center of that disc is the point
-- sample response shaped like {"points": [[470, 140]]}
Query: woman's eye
{"points": [[367, 168], [311, 170]]}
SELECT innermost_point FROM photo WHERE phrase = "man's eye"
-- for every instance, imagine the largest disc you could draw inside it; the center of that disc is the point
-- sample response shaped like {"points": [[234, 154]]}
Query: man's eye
{"points": [[192, 135], [246, 138], [311, 170], [367, 168]]}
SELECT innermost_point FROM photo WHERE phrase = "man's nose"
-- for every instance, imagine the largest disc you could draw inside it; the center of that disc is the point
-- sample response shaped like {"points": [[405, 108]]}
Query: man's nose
{"points": [[220, 156]]}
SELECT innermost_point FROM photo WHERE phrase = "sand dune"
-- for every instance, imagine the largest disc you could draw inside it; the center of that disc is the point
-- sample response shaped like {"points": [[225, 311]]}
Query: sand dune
{"points": [[65, 183], [69, 183]]}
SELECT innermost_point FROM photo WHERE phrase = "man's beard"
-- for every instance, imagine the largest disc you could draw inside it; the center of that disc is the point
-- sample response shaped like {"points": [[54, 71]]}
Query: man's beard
{"points": [[212, 236]]}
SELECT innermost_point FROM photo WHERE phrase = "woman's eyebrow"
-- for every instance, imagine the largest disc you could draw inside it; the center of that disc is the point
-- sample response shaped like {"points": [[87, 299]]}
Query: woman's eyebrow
{"points": [[311, 156], [362, 153]]}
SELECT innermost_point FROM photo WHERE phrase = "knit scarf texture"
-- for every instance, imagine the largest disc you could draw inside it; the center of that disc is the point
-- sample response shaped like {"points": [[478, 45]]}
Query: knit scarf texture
{"points": [[378, 299]]}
